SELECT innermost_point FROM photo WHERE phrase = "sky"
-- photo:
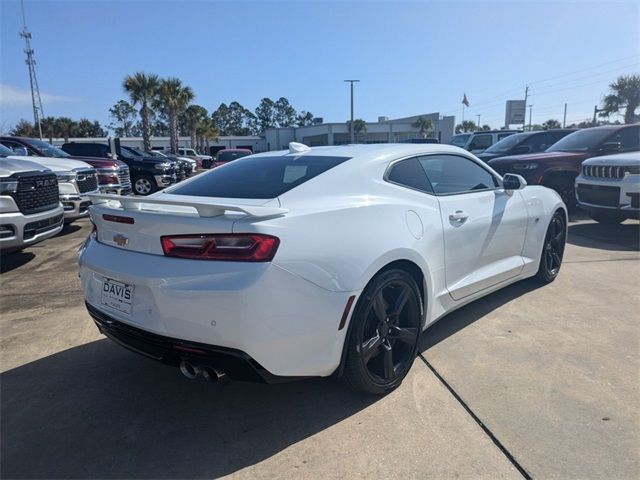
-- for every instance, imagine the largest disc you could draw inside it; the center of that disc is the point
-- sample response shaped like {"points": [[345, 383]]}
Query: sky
{"points": [[410, 57]]}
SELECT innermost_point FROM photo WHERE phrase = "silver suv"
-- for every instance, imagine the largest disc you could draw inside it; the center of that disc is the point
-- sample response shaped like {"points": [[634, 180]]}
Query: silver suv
{"points": [[478, 142]]}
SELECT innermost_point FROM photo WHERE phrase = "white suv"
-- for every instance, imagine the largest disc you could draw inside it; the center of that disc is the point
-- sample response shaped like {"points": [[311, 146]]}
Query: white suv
{"points": [[608, 187]]}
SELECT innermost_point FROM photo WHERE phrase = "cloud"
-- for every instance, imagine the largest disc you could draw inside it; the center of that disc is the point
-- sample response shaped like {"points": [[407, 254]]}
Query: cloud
{"points": [[11, 96]]}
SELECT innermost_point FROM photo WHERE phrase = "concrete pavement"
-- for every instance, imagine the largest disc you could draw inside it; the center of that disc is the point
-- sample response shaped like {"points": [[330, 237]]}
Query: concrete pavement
{"points": [[551, 375]]}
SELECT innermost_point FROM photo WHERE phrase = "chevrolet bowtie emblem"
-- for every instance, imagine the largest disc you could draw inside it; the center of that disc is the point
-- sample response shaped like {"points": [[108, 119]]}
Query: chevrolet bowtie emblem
{"points": [[121, 240]]}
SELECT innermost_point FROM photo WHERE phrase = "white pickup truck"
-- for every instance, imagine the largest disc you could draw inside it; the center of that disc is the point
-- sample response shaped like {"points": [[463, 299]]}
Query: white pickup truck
{"points": [[76, 180], [30, 209]]}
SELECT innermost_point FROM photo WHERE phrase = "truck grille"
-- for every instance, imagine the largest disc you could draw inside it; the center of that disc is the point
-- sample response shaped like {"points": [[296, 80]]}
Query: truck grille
{"points": [[87, 181], [603, 171], [599, 195], [37, 192], [36, 228], [123, 176]]}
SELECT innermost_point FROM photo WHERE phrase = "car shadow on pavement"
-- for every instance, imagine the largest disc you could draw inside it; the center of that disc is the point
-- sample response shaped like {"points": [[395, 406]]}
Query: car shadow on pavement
{"points": [[99, 411], [68, 229], [11, 261], [625, 236], [455, 321]]}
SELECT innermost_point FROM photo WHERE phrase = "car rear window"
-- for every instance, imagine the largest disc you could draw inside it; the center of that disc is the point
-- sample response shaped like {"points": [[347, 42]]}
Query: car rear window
{"points": [[258, 177], [229, 156]]}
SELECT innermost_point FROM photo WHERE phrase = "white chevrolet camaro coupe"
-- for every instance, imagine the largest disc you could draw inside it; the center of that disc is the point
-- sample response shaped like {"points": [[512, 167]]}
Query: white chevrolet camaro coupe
{"points": [[313, 261]]}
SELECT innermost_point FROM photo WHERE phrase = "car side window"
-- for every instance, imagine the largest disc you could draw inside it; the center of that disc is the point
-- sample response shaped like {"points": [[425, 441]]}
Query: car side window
{"points": [[409, 173], [450, 174], [481, 141], [629, 139], [503, 135]]}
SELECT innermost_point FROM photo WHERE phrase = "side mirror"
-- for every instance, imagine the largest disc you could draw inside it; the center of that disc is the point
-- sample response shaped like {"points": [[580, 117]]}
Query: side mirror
{"points": [[511, 181], [611, 147]]}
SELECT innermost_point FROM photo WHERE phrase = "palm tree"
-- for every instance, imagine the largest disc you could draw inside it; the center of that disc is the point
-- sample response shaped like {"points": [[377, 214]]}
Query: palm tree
{"points": [[49, 128], [194, 118], [173, 98], [625, 94], [425, 125], [65, 127], [359, 127], [142, 90]]}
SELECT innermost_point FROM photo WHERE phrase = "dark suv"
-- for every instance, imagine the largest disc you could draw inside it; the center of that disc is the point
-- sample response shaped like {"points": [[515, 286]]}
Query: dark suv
{"points": [[148, 174], [113, 176], [559, 165], [525, 142]]}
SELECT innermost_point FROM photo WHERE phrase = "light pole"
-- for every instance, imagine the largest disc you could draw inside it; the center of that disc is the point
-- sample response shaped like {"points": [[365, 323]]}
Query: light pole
{"points": [[530, 110], [353, 138], [478, 122]]}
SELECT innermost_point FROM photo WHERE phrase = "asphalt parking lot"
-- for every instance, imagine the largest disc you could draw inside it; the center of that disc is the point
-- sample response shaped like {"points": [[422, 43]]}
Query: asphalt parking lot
{"points": [[528, 382]]}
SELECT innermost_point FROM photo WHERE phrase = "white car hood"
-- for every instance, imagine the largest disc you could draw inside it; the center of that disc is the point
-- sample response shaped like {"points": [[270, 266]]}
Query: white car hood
{"points": [[9, 166], [619, 159], [55, 164]]}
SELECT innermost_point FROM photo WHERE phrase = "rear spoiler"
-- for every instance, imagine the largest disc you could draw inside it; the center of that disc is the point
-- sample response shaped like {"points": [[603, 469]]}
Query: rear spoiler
{"points": [[203, 207]]}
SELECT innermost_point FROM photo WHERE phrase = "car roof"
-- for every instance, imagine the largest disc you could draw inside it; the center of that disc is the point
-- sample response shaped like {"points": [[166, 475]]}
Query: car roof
{"points": [[373, 151]]}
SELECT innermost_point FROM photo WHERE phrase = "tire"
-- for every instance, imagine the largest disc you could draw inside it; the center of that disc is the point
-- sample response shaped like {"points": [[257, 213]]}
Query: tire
{"points": [[611, 219], [380, 351], [144, 184], [553, 248], [566, 189]]}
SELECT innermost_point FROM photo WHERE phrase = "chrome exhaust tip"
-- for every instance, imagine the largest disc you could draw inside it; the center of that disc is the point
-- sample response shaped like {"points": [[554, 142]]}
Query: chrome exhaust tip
{"points": [[213, 375], [189, 370]]}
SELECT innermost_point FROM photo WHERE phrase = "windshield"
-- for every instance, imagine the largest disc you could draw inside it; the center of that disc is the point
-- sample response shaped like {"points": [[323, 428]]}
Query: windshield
{"points": [[5, 152], [258, 177], [460, 140], [132, 151], [507, 143], [228, 156], [47, 149], [580, 141]]}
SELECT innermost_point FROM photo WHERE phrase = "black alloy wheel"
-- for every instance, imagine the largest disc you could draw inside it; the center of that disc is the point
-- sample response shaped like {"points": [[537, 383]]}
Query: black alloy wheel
{"points": [[385, 333], [553, 249]]}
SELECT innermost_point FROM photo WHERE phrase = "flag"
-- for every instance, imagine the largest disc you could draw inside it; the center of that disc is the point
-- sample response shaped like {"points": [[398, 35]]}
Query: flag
{"points": [[465, 100]]}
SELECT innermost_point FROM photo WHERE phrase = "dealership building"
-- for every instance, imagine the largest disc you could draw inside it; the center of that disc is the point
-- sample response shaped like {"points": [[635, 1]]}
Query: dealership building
{"points": [[317, 134]]}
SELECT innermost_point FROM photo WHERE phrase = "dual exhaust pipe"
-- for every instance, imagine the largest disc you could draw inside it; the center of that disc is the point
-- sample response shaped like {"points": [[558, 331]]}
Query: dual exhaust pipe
{"points": [[192, 372]]}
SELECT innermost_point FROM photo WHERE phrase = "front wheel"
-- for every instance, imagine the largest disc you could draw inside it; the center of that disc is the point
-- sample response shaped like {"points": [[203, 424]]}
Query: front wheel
{"points": [[384, 334], [144, 185], [553, 248]]}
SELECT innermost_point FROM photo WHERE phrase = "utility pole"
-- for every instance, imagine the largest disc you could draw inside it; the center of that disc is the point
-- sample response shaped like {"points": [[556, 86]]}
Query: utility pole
{"points": [[353, 137], [530, 114], [478, 121], [564, 119], [36, 102], [526, 97], [596, 110]]}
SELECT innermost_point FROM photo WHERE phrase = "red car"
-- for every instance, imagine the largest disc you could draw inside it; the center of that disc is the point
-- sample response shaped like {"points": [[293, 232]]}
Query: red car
{"points": [[229, 154], [559, 165]]}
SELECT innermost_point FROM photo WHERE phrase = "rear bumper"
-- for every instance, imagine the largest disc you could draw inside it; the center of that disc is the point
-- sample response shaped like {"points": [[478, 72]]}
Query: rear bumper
{"points": [[286, 324], [236, 364], [18, 230]]}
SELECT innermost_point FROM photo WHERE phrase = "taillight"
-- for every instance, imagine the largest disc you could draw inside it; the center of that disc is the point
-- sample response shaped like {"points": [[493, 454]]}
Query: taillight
{"points": [[241, 247]]}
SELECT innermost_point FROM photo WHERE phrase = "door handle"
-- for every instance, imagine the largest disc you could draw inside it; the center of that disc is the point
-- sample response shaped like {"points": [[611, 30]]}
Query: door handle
{"points": [[459, 217]]}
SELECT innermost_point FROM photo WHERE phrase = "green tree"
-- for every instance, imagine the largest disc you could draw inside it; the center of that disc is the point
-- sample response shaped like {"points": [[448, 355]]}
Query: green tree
{"points": [[193, 119], [220, 119], [424, 125], [24, 128], [285, 114], [359, 128], [551, 124], [49, 128], [240, 120], [142, 90], [466, 126], [123, 117], [173, 98], [66, 127], [265, 114], [486, 127], [624, 95], [88, 129], [304, 118]]}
